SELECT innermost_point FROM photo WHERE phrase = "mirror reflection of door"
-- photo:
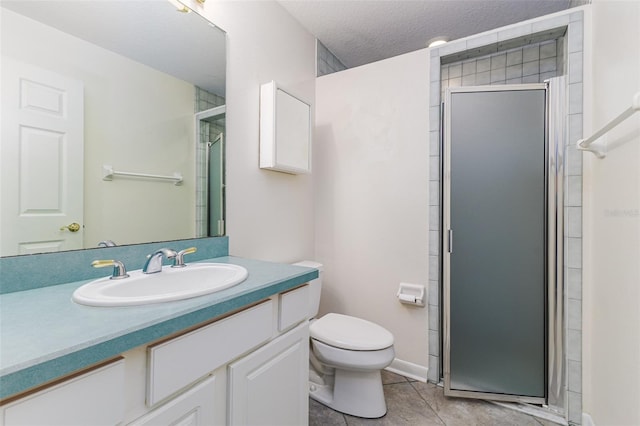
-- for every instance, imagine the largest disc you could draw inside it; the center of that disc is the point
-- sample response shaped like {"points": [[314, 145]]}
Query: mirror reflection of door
{"points": [[42, 160], [210, 178]]}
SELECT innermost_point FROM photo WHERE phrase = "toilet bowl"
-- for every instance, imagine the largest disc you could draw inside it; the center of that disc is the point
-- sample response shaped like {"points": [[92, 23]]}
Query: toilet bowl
{"points": [[346, 357]]}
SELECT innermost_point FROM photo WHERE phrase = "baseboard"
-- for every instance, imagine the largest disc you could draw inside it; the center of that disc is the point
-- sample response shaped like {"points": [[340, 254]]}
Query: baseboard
{"points": [[587, 420], [408, 369]]}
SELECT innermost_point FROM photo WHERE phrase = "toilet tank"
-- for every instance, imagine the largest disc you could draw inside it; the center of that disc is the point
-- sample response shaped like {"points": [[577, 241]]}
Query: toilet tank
{"points": [[315, 286]]}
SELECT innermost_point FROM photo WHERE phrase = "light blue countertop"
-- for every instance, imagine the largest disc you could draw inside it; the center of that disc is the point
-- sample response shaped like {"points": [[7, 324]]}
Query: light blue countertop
{"points": [[44, 335]]}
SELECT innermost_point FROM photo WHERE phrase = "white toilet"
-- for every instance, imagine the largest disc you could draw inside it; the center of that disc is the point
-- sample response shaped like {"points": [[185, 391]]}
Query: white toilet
{"points": [[346, 356]]}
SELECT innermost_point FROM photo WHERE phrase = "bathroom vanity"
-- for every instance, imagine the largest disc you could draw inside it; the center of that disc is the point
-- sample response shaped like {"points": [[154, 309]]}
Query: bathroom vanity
{"points": [[237, 357]]}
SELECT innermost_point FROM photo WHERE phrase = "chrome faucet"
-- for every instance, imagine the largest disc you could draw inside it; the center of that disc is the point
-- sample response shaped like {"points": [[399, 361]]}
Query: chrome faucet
{"points": [[154, 260]]}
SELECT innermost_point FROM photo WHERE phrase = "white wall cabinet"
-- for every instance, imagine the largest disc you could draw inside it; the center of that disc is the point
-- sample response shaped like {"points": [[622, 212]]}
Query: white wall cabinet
{"points": [[240, 370], [270, 385]]}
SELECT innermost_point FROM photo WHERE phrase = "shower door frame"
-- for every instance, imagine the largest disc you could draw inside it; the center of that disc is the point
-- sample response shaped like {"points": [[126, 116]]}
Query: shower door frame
{"points": [[552, 240]]}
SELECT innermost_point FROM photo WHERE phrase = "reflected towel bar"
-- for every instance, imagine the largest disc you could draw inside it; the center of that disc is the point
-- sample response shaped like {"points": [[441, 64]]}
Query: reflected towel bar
{"points": [[583, 144], [108, 173]]}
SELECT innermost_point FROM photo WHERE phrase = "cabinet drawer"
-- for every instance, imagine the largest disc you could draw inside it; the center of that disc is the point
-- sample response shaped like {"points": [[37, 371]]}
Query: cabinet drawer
{"points": [[179, 362], [294, 307], [93, 398]]}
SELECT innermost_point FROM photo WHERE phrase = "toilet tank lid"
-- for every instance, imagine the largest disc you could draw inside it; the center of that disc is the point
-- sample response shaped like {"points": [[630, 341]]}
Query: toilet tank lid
{"points": [[309, 264]]}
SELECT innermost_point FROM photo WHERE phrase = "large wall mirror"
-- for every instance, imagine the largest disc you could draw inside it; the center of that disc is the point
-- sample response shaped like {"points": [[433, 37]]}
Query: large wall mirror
{"points": [[113, 118]]}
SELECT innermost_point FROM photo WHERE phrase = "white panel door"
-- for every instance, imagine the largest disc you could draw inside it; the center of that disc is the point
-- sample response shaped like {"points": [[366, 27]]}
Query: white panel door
{"points": [[270, 386], [42, 160]]}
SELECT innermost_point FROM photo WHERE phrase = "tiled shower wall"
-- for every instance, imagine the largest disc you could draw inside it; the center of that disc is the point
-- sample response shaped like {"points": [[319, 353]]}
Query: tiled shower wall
{"points": [[326, 62], [533, 63], [494, 44], [203, 101]]}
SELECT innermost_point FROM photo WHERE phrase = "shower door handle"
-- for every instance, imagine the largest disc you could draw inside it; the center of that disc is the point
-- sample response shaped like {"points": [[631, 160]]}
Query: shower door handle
{"points": [[450, 241]]}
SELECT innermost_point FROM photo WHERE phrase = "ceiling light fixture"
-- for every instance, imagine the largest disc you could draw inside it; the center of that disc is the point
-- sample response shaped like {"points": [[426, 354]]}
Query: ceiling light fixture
{"points": [[179, 6], [437, 41]]}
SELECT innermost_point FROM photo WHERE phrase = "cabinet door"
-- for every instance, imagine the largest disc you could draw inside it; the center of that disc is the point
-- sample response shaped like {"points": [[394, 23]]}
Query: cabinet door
{"points": [[270, 386], [196, 407]]}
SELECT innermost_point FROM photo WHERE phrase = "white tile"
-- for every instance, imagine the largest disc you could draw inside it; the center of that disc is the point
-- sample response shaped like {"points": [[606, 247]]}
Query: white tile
{"points": [[434, 243], [434, 193], [483, 65], [434, 143], [434, 117], [434, 218], [573, 161], [575, 37], [514, 57], [574, 252], [434, 318], [575, 67], [575, 376], [498, 61], [548, 64], [434, 93], [574, 283], [574, 349], [432, 373], [514, 71], [575, 129], [469, 80], [575, 98], [530, 53], [514, 32], [575, 314], [575, 408], [548, 50], [455, 82], [434, 297], [453, 47], [498, 75], [434, 69], [444, 72], [434, 269], [434, 170], [550, 23], [482, 40], [455, 70], [573, 223], [468, 68], [483, 78], [514, 80], [530, 68], [433, 342]]}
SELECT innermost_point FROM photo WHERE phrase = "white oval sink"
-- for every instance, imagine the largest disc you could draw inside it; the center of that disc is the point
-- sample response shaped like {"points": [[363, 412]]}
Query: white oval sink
{"points": [[195, 279]]}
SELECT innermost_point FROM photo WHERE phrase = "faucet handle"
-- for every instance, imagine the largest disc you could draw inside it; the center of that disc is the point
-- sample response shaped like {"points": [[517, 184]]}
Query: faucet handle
{"points": [[119, 271], [178, 262]]}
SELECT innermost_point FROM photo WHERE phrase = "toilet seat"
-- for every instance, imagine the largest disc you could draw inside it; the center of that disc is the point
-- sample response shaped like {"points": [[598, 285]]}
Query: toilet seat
{"points": [[346, 332]]}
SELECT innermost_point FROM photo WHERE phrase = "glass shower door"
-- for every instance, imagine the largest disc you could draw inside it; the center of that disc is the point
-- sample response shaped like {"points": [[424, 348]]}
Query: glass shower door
{"points": [[495, 209]]}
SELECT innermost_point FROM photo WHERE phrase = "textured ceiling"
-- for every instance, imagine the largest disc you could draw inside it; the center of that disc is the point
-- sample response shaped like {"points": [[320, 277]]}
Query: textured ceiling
{"points": [[363, 31]]}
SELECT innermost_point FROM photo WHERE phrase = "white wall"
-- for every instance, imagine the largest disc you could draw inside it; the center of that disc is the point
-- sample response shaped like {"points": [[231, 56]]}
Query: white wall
{"points": [[611, 293], [371, 161], [149, 131], [269, 214]]}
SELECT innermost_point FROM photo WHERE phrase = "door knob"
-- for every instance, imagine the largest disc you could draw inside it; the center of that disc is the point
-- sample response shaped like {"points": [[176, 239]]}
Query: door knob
{"points": [[74, 227]]}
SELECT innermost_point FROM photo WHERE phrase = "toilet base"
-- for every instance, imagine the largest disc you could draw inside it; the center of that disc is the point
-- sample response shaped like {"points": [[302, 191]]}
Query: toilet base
{"points": [[357, 393]]}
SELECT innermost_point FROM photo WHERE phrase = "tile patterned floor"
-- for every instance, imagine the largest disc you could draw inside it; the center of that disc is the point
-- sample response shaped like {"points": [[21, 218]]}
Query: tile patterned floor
{"points": [[415, 403]]}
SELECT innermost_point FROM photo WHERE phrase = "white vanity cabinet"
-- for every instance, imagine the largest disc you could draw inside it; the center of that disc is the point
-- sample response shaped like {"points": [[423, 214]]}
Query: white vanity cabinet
{"points": [[246, 368]]}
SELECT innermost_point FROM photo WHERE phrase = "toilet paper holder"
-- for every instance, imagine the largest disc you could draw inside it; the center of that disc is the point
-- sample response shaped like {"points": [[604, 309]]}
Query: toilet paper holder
{"points": [[411, 294]]}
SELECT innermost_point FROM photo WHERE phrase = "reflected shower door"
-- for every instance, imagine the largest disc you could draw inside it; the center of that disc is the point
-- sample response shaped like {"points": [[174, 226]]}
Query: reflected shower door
{"points": [[495, 242]]}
